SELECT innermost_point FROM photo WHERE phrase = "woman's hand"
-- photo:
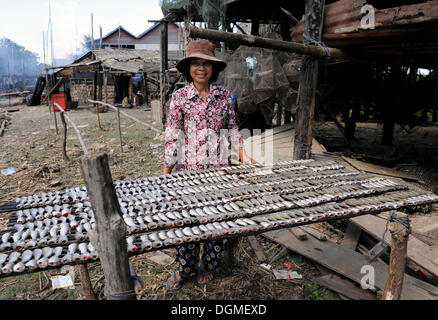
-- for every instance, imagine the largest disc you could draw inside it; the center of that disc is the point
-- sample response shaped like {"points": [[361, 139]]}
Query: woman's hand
{"points": [[167, 170], [244, 158]]}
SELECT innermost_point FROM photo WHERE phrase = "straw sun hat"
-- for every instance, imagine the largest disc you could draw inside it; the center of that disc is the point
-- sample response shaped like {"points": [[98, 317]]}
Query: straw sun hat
{"points": [[203, 49]]}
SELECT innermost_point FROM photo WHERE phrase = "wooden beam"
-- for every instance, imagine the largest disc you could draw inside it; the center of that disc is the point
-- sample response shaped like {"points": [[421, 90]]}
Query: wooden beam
{"points": [[57, 85], [351, 236], [109, 233], [255, 245], [313, 23], [298, 233], [260, 42]]}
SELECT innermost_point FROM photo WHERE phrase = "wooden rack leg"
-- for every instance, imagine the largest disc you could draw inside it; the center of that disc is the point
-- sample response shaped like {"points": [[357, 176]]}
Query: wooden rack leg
{"points": [[397, 261], [108, 235], [86, 283]]}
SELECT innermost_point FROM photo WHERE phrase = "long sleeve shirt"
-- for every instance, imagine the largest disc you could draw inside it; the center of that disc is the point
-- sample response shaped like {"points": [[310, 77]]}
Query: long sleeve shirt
{"points": [[200, 134]]}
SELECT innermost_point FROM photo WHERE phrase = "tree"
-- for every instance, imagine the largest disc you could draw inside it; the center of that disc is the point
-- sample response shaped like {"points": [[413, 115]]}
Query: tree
{"points": [[15, 57], [86, 42]]}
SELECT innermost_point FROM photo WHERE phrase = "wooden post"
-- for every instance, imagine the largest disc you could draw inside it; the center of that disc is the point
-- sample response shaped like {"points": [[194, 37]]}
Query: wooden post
{"points": [[64, 137], [86, 283], [120, 130], [390, 107], [163, 70], [435, 100], [105, 85], [95, 83], [313, 22], [145, 89], [109, 233], [54, 115], [130, 93], [397, 261]]}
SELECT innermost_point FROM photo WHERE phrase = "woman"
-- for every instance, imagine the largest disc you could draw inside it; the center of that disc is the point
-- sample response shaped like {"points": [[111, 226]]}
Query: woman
{"points": [[200, 114]]}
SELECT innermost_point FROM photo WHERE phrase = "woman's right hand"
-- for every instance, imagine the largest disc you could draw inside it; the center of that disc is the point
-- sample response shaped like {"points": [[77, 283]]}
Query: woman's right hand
{"points": [[167, 170]]}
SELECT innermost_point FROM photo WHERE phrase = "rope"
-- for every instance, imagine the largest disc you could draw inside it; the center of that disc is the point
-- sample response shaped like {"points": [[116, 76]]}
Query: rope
{"points": [[127, 295], [318, 44], [404, 221]]}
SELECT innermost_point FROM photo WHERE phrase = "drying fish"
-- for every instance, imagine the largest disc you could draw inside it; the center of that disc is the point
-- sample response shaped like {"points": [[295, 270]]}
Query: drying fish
{"points": [[205, 231], [130, 243], [54, 259], [145, 243], [156, 243], [4, 246], [6, 236], [46, 252], [83, 248], [188, 234]]}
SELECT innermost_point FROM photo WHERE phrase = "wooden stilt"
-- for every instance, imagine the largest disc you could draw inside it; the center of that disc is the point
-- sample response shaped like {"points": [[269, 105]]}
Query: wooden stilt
{"points": [[397, 260], [313, 22], [435, 101], [108, 235], [95, 80], [163, 71]]}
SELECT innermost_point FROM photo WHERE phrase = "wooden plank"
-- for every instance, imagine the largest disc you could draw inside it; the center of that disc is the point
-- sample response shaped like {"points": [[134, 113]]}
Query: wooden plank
{"points": [[420, 253], [298, 233], [345, 287], [351, 236], [349, 264], [255, 245], [372, 168], [315, 233]]}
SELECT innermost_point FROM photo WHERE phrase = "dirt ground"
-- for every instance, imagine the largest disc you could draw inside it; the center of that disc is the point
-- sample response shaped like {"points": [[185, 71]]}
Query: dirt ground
{"points": [[31, 146]]}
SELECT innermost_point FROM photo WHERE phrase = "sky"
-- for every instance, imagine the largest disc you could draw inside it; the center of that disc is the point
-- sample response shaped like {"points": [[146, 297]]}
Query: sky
{"points": [[24, 21]]}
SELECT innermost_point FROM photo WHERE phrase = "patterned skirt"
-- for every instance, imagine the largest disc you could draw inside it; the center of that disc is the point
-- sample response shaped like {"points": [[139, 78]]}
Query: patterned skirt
{"points": [[189, 255]]}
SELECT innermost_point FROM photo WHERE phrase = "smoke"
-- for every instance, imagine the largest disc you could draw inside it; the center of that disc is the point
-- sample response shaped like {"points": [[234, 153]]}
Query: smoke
{"points": [[17, 60]]}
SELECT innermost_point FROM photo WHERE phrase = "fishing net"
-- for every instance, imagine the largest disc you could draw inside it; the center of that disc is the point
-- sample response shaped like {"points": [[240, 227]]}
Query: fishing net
{"points": [[212, 11], [259, 78]]}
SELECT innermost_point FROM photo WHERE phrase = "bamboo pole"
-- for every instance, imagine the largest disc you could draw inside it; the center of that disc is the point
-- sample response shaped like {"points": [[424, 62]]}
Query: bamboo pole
{"points": [[254, 41]]}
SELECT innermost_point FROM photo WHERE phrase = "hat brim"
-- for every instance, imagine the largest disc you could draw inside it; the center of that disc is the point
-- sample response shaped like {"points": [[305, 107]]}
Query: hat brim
{"points": [[182, 65]]}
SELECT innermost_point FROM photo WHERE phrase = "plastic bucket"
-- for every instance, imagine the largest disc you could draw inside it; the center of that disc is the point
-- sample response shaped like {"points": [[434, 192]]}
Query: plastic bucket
{"points": [[60, 99]]}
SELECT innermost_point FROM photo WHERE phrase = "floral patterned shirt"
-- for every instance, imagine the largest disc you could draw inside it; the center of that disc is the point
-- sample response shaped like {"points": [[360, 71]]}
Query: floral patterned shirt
{"points": [[200, 134]]}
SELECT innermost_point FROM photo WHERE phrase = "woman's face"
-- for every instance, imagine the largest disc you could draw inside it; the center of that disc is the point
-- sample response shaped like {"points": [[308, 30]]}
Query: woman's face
{"points": [[201, 71]]}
